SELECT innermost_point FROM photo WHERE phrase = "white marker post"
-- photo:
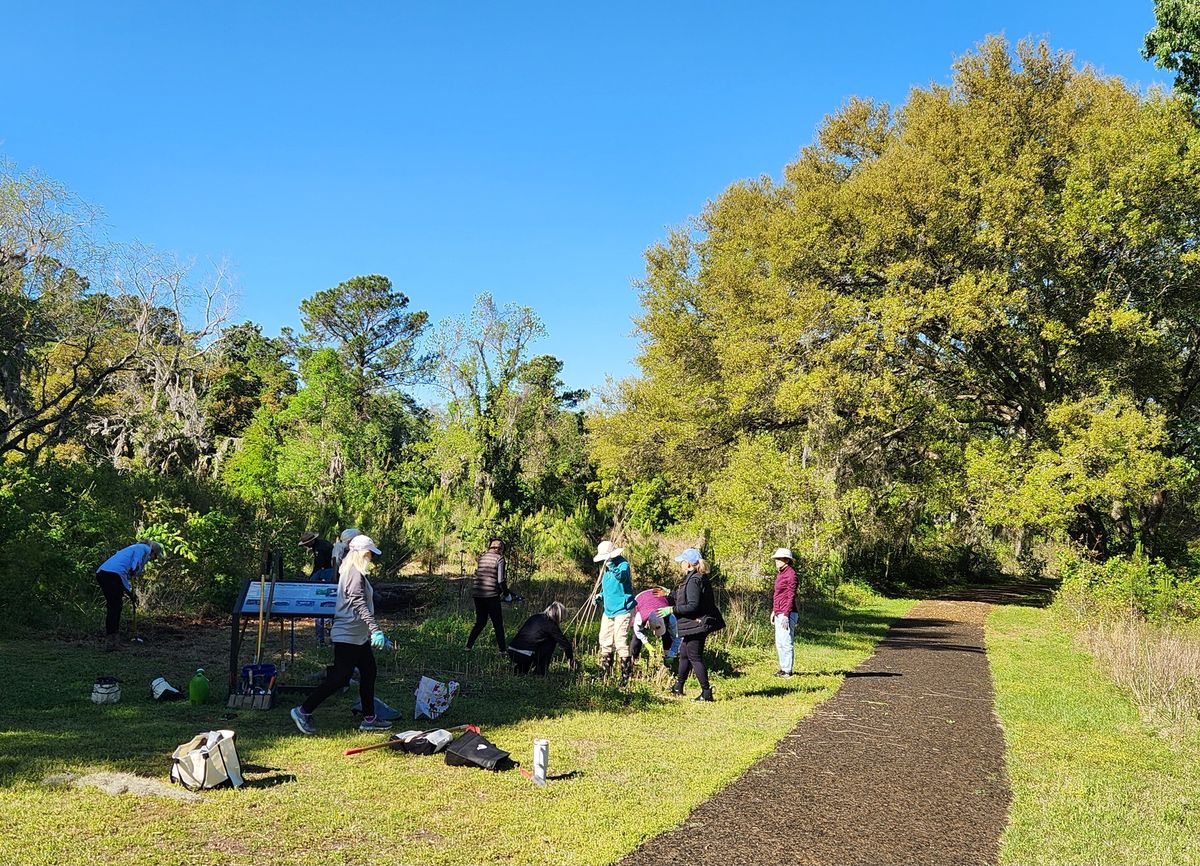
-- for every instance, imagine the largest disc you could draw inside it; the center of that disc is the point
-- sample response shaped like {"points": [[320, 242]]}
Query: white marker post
{"points": [[541, 757]]}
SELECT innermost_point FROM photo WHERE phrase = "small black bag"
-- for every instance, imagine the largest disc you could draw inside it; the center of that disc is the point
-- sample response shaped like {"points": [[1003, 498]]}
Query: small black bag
{"points": [[688, 626], [475, 750]]}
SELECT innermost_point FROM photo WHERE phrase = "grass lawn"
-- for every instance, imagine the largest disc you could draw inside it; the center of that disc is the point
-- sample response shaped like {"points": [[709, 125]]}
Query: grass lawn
{"points": [[643, 760], [1091, 783]]}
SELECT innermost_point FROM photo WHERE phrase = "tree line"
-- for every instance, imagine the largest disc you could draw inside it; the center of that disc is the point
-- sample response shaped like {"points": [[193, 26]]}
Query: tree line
{"points": [[955, 335]]}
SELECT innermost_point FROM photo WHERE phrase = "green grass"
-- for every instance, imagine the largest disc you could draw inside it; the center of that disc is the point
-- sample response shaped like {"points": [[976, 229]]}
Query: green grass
{"points": [[643, 760], [1091, 783]]}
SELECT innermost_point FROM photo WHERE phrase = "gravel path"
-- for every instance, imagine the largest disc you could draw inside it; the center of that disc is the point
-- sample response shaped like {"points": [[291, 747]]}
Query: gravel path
{"points": [[904, 765]]}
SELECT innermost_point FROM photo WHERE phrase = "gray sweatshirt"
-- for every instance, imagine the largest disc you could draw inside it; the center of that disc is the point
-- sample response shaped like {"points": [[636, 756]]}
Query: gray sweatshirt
{"points": [[354, 616]]}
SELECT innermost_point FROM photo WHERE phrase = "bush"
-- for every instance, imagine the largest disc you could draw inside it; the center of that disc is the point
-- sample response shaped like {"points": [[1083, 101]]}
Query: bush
{"points": [[60, 521], [1134, 586]]}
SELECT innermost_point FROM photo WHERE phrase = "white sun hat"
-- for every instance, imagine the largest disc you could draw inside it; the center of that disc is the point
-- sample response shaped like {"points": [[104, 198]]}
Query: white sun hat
{"points": [[606, 551], [782, 553]]}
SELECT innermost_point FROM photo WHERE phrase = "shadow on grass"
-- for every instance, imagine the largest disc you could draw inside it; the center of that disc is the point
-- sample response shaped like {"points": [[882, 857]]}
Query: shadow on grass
{"points": [[780, 691], [271, 781], [48, 723]]}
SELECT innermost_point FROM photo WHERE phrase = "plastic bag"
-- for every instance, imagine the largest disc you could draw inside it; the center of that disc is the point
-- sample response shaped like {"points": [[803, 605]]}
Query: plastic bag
{"points": [[433, 697], [164, 691]]}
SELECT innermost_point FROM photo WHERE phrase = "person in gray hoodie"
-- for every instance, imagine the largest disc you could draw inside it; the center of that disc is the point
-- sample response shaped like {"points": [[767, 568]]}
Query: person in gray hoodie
{"points": [[355, 635]]}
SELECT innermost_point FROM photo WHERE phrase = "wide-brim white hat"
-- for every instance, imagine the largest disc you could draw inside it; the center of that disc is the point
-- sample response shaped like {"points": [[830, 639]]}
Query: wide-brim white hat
{"points": [[782, 553], [606, 551]]}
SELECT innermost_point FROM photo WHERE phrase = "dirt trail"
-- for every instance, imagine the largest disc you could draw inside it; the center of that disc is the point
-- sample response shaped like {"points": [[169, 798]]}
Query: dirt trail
{"points": [[904, 765]]}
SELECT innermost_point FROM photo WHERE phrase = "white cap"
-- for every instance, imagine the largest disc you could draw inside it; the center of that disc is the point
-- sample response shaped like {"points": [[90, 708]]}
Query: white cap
{"points": [[782, 553], [364, 542]]}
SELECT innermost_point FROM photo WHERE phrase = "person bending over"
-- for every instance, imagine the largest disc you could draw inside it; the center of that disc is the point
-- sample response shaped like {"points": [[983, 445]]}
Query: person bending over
{"points": [[533, 645], [115, 577]]}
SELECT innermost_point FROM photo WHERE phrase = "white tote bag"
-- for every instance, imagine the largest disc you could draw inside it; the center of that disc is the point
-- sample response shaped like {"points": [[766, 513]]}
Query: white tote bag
{"points": [[206, 761]]}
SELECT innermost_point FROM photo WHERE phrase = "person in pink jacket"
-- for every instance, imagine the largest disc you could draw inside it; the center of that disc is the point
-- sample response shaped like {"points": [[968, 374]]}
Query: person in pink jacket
{"points": [[783, 610]]}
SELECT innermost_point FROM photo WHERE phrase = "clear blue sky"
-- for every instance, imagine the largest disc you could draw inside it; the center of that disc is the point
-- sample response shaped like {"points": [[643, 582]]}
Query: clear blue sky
{"points": [[532, 150]]}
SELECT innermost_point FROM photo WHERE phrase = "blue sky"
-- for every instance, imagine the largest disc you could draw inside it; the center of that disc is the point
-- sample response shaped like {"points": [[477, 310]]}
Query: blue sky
{"points": [[531, 150]]}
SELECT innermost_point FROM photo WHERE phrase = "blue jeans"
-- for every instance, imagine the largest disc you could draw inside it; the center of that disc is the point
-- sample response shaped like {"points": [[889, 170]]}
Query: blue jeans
{"points": [[785, 632]]}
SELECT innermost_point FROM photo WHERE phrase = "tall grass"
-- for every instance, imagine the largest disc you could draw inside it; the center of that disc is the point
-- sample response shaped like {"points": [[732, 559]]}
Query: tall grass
{"points": [[1158, 665]]}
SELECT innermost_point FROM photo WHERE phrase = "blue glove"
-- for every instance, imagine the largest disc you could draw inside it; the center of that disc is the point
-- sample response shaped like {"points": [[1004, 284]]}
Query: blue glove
{"points": [[378, 640]]}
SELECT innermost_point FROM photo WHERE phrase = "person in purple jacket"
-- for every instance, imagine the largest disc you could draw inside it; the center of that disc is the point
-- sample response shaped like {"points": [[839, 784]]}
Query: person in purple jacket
{"points": [[115, 577], [783, 610]]}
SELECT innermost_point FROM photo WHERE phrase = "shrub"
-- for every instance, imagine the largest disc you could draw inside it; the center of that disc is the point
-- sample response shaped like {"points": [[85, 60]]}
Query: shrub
{"points": [[1134, 586]]}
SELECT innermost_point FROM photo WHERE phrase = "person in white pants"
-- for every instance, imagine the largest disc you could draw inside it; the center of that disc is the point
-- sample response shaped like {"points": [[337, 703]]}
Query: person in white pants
{"points": [[783, 610]]}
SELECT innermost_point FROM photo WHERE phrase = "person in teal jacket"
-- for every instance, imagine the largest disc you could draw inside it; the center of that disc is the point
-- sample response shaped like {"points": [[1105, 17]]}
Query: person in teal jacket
{"points": [[616, 593]]}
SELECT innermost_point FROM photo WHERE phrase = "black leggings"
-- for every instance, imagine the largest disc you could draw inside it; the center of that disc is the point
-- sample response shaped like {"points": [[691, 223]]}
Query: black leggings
{"points": [[539, 662], [347, 657], [691, 658], [635, 645], [114, 591], [485, 609]]}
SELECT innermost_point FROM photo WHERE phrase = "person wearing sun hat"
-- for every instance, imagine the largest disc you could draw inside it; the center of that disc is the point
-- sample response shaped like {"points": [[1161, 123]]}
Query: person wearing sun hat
{"points": [[616, 593], [355, 635], [322, 554], [783, 610]]}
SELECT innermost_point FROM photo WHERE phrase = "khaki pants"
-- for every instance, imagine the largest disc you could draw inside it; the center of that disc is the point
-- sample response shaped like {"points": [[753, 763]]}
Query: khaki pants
{"points": [[614, 634]]}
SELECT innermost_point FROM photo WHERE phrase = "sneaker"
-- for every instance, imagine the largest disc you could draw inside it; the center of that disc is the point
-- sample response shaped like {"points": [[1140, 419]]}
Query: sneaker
{"points": [[677, 690], [303, 721], [783, 674], [703, 697], [374, 723]]}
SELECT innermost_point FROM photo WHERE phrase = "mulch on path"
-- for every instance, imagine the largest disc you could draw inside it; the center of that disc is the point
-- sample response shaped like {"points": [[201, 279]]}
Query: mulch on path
{"points": [[904, 765]]}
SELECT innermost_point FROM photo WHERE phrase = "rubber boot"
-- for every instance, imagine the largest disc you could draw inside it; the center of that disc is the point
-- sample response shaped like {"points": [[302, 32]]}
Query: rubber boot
{"points": [[626, 670], [606, 664]]}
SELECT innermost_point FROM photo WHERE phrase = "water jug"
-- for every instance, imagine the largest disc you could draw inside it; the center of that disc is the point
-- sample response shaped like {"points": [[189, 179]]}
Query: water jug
{"points": [[198, 688]]}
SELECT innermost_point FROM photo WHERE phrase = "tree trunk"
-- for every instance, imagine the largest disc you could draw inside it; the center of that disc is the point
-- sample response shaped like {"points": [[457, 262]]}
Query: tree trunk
{"points": [[1152, 515], [1124, 524]]}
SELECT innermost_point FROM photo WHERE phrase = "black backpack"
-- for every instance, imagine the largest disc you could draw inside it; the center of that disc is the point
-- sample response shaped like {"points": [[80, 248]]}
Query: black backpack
{"points": [[475, 750]]}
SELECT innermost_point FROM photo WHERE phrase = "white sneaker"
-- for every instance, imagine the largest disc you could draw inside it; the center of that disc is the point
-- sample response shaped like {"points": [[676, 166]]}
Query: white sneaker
{"points": [[303, 721]]}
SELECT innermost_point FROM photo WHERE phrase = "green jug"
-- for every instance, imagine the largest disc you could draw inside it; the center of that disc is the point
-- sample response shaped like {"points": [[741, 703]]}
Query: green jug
{"points": [[198, 688]]}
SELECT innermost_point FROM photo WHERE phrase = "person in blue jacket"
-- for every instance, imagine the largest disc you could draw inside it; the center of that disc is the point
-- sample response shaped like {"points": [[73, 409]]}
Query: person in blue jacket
{"points": [[116, 576]]}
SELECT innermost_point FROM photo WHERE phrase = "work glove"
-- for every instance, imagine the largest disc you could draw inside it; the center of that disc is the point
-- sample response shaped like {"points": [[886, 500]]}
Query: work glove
{"points": [[665, 612], [378, 640], [599, 597]]}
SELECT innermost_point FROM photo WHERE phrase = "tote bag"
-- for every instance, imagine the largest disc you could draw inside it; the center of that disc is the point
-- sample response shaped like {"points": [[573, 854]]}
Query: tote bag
{"points": [[207, 761]]}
